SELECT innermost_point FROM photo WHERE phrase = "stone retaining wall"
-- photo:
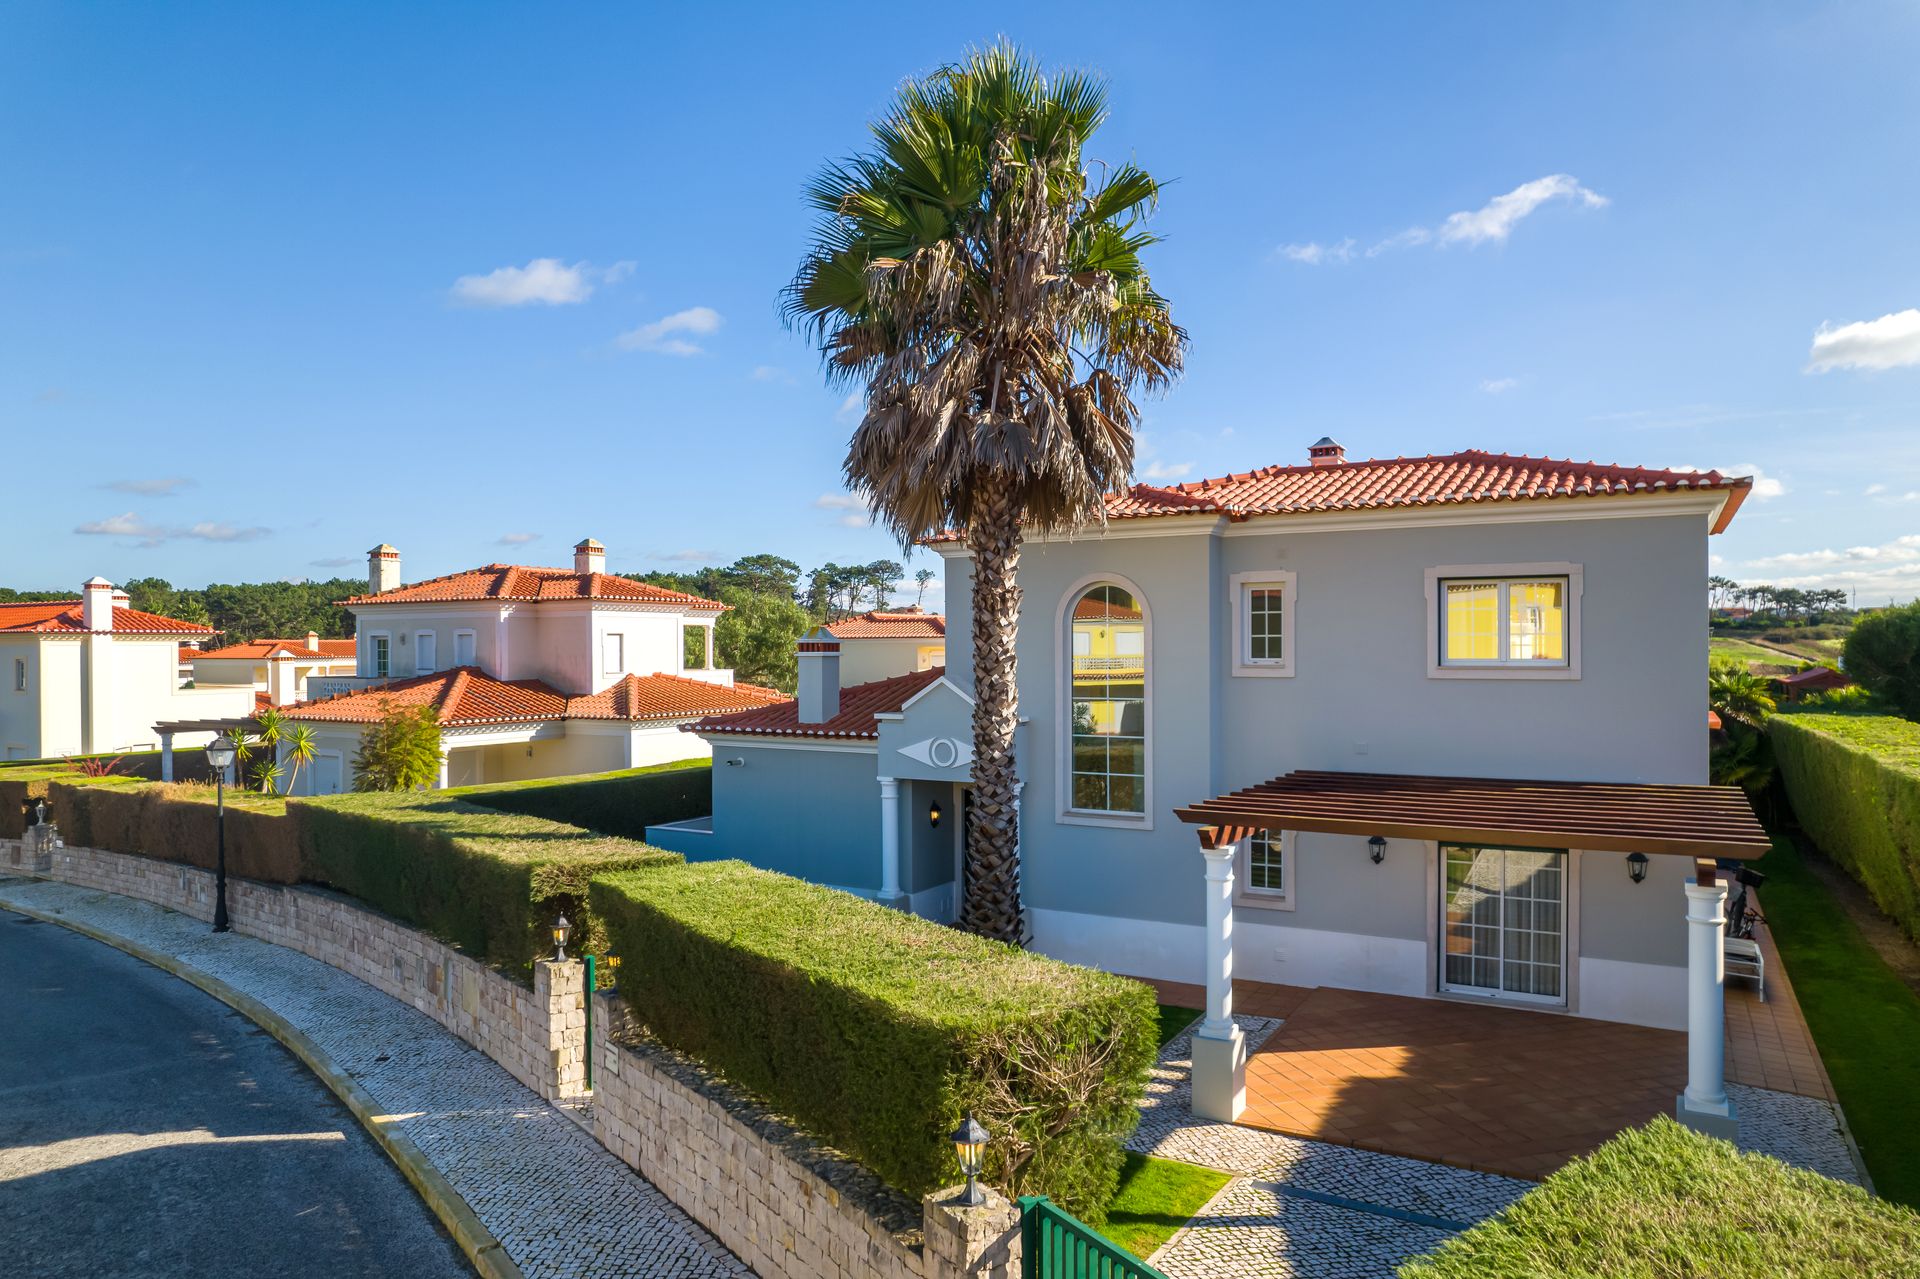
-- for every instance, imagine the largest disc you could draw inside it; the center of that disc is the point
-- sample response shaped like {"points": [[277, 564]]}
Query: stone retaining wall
{"points": [[538, 1035]]}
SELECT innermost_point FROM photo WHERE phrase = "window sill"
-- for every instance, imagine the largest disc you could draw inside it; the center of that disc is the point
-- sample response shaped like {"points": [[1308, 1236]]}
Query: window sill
{"points": [[1264, 901], [1112, 821], [1503, 672], [1256, 670]]}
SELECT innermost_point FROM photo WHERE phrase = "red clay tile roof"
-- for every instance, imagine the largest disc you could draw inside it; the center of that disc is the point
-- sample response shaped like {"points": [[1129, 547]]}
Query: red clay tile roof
{"points": [[513, 582], [858, 705], [66, 617], [258, 650], [663, 696], [899, 623], [463, 695], [1467, 477]]}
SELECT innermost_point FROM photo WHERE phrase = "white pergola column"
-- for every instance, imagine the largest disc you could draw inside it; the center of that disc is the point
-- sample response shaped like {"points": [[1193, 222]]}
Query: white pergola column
{"points": [[889, 839], [709, 641], [441, 782], [1219, 1049], [166, 755], [1705, 1104]]}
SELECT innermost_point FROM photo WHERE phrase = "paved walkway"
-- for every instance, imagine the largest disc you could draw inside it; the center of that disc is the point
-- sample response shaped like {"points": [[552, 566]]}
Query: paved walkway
{"points": [[560, 1205]]}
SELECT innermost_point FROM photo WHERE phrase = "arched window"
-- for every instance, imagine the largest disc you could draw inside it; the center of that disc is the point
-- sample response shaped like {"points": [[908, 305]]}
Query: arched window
{"points": [[1107, 706]]}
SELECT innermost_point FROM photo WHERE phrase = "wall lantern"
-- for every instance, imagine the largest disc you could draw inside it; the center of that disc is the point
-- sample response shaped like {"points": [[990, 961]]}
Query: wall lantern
{"points": [[1637, 867], [970, 1147], [1377, 848], [933, 814], [561, 931]]}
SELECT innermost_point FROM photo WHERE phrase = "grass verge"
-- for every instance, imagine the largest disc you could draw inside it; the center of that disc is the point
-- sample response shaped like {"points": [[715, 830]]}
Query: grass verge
{"points": [[1865, 1020], [1155, 1198], [1174, 1019]]}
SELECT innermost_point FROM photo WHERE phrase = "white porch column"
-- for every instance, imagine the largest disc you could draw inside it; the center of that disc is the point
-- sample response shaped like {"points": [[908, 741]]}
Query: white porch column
{"points": [[441, 782], [1219, 1049], [889, 839], [1705, 1104], [709, 641], [166, 755]]}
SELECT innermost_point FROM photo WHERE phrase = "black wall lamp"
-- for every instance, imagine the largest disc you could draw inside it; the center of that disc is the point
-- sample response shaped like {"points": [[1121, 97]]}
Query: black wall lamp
{"points": [[933, 814], [1637, 867], [1377, 848]]}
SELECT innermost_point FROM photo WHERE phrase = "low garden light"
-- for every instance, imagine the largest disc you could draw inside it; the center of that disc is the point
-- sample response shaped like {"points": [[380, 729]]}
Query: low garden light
{"points": [[1377, 848], [970, 1147], [1637, 867], [561, 931], [933, 814]]}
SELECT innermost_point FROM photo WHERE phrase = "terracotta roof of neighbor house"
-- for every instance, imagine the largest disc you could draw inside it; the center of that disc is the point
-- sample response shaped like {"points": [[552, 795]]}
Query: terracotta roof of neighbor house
{"points": [[259, 650], [1465, 478], [463, 695], [859, 703], [67, 617], [514, 582], [897, 623], [1813, 677], [663, 696]]}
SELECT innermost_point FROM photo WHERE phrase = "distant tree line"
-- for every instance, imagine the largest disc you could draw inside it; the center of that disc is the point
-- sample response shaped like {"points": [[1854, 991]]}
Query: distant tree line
{"points": [[241, 611], [1778, 603]]}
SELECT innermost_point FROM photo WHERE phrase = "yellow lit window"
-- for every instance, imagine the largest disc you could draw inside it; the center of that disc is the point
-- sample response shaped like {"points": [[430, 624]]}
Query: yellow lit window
{"points": [[1504, 622], [1473, 621]]}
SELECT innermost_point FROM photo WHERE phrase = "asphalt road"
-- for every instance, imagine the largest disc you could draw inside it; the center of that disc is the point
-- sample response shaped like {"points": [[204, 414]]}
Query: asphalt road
{"points": [[148, 1130]]}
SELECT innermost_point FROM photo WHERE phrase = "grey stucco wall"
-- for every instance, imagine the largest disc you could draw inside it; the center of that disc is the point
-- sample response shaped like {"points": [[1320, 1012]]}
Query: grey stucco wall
{"points": [[927, 851], [814, 814]]}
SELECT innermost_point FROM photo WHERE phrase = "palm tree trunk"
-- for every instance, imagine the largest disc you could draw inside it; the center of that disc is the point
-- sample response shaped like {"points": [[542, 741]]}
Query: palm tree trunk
{"points": [[991, 906]]}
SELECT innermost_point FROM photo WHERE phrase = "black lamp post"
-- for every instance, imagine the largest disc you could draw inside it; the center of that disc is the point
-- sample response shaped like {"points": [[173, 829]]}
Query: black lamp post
{"points": [[220, 755], [561, 931], [970, 1146]]}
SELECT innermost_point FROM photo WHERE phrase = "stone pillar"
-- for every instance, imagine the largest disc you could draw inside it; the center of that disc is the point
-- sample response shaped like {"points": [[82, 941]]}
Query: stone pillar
{"points": [[560, 994], [1705, 1104], [889, 839], [1219, 1049], [983, 1241], [166, 755]]}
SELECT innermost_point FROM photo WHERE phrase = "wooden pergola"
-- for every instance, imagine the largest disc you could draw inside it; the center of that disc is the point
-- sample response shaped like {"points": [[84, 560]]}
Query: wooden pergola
{"points": [[1625, 817]]}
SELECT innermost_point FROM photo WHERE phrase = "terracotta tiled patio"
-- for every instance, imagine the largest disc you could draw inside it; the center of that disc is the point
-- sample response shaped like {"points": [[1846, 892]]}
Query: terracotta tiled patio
{"points": [[1503, 1090]]}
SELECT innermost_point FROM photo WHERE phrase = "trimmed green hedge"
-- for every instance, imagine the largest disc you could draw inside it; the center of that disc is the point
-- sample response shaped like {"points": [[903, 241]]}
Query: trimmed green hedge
{"points": [[1854, 782], [623, 803], [178, 823], [1663, 1202], [489, 883], [878, 1030], [17, 790]]}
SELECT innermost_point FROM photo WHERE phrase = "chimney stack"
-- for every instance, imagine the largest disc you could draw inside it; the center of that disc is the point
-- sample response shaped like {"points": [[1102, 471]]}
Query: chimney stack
{"points": [[383, 569], [589, 557], [1326, 451], [96, 604], [819, 677], [313, 641]]}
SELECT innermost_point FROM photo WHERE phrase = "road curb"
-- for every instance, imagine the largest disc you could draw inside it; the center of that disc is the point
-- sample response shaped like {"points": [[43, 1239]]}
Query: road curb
{"points": [[486, 1253]]}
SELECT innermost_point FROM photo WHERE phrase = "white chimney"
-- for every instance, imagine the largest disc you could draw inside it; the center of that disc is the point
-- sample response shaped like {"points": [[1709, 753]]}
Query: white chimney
{"points": [[313, 641], [589, 557], [383, 569], [819, 677], [96, 604], [1326, 451]]}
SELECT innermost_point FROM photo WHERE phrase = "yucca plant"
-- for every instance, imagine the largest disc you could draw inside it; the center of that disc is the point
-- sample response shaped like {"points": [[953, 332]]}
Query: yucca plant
{"points": [[301, 748], [979, 276]]}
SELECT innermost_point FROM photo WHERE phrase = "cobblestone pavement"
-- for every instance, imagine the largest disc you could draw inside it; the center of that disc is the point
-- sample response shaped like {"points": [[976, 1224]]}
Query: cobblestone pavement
{"points": [[557, 1201]]}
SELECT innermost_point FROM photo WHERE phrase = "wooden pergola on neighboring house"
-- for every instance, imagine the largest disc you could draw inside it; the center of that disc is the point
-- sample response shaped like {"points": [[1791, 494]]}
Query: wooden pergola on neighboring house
{"points": [[1702, 823], [167, 729]]}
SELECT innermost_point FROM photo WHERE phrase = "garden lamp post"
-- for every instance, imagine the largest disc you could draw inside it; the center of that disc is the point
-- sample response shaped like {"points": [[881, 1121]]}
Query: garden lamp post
{"points": [[220, 755], [970, 1146], [561, 930]]}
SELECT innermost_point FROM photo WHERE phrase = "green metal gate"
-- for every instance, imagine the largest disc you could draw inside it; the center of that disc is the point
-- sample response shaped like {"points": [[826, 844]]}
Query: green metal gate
{"points": [[1057, 1245]]}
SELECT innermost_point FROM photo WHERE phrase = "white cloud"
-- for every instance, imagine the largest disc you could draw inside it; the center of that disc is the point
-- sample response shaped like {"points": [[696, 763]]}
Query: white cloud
{"points": [[545, 281], [335, 561], [127, 524], [211, 531], [1901, 550], [517, 539], [1412, 237], [854, 512], [662, 336], [1765, 487], [1499, 385], [771, 373], [690, 557], [1875, 488], [1165, 472], [1890, 342], [851, 409], [151, 488], [1313, 253], [1495, 220]]}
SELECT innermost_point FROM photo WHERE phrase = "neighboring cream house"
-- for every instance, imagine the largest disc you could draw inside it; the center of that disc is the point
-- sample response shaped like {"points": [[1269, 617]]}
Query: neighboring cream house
{"points": [[92, 676], [889, 641], [277, 670], [533, 672]]}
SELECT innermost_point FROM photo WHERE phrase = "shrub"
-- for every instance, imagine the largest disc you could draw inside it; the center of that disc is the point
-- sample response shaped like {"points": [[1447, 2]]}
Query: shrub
{"points": [[623, 803], [99, 812], [489, 883], [1663, 1201], [1854, 782], [1883, 653], [19, 788], [400, 751], [878, 1030], [180, 824]]}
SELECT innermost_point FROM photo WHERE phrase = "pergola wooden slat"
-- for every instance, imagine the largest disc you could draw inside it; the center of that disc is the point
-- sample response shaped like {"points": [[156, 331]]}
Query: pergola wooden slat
{"points": [[1678, 820]]}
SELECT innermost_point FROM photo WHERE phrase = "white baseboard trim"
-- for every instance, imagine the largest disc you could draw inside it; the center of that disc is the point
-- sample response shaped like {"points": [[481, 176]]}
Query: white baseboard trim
{"points": [[1640, 994]]}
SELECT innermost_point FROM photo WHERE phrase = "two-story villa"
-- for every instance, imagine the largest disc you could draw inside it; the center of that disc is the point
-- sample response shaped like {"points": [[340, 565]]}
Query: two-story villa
{"points": [[532, 672], [277, 670], [1330, 672]]}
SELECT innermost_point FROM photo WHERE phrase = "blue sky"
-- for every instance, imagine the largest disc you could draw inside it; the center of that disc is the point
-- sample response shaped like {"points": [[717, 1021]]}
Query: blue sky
{"points": [[280, 283]]}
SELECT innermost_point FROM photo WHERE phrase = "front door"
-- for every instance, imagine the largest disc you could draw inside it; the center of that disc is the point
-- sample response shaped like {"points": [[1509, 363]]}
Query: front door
{"points": [[1503, 923]]}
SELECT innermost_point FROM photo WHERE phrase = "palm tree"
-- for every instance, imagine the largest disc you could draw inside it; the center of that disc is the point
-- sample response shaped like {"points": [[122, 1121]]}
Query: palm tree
{"points": [[986, 290], [1738, 695], [302, 747], [242, 752]]}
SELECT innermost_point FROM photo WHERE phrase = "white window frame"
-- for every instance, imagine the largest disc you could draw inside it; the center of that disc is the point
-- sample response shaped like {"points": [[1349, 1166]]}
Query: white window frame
{"points": [[373, 655], [613, 653], [1280, 898], [1065, 814], [473, 645], [428, 640], [1571, 871], [19, 674], [1504, 573], [1240, 595]]}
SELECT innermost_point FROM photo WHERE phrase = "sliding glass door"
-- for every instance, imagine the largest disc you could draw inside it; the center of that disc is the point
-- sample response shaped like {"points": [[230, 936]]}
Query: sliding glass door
{"points": [[1503, 923]]}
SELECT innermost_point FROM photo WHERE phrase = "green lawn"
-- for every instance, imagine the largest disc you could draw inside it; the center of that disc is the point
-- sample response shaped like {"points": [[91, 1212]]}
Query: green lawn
{"points": [[1174, 1019], [1155, 1198], [1725, 646], [1865, 1020]]}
